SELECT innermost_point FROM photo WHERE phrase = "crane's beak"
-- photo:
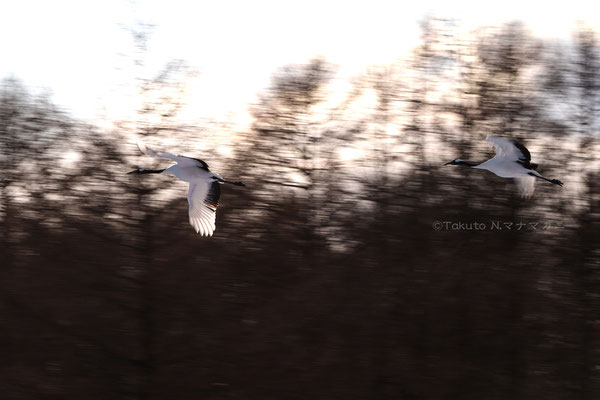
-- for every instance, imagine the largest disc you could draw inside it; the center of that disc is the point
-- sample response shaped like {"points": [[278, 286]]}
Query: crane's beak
{"points": [[448, 163]]}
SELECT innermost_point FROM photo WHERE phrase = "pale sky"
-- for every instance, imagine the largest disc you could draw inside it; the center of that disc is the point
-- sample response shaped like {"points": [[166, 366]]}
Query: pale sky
{"points": [[81, 51]]}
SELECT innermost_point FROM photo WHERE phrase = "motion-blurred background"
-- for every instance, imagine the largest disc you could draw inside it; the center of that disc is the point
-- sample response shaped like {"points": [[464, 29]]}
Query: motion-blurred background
{"points": [[350, 266]]}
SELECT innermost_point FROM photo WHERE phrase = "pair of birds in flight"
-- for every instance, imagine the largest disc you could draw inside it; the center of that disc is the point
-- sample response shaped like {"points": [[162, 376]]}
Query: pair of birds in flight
{"points": [[512, 160]]}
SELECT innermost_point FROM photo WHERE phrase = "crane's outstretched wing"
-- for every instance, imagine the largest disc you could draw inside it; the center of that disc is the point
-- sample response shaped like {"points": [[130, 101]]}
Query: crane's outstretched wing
{"points": [[512, 150], [203, 198], [525, 185], [509, 149], [181, 160]]}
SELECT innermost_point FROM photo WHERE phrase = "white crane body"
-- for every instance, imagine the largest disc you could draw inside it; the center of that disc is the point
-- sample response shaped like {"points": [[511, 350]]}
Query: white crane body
{"points": [[512, 160], [204, 191]]}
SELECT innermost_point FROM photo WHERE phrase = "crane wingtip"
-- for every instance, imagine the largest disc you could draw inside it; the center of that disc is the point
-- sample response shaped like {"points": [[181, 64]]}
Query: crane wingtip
{"points": [[142, 146]]}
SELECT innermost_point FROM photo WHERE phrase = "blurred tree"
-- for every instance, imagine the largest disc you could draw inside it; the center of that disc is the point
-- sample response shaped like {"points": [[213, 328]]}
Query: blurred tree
{"points": [[291, 139], [587, 72]]}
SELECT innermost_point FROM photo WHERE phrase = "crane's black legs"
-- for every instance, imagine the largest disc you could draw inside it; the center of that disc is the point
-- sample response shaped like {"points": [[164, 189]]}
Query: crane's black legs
{"points": [[232, 183], [555, 181], [146, 171]]}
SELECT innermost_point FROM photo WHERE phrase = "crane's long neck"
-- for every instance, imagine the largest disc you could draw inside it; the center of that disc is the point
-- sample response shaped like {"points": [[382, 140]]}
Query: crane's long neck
{"points": [[466, 163], [146, 171]]}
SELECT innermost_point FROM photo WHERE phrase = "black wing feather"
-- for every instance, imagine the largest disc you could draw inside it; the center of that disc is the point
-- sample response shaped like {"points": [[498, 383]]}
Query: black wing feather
{"points": [[525, 159], [212, 197], [203, 164], [523, 150]]}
